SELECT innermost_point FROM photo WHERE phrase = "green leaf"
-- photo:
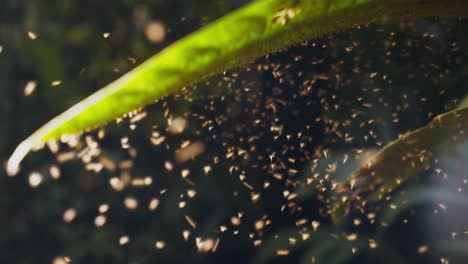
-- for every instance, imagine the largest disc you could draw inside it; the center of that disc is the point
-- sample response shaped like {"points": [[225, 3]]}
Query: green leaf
{"points": [[234, 40], [401, 160]]}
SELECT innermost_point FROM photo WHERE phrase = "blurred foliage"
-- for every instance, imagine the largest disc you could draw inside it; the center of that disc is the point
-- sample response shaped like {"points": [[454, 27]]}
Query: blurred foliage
{"points": [[421, 72], [401, 160]]}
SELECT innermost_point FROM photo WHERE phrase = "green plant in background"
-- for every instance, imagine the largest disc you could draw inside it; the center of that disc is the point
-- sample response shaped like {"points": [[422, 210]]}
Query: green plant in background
{"points": [[249, 33], [400, 160]]}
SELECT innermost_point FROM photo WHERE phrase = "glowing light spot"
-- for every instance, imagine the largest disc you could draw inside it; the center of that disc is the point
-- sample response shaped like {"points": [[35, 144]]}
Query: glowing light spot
{"points": [[206, 169], [131, 203], [176, 125], [235, 221], [56, 83], [160, 245], [423, 249], [103, 208], [444, 261], [69, 215], [123, 240], [61, 260], [117, 184], [372, 243], [168, 165], [100, 220], [32, 35], [184, 173], [35, 179], [155, 32], [191, 193], [282, 252], [206, 245], [54, 172], [352, 237], [29, 88], [153, 204], [189, 152], [186, 234], [315, 225], [156, 139], [259, 225], [182, 204]]}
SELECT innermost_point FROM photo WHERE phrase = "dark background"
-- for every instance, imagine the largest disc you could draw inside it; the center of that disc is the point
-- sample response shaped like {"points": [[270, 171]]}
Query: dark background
{"points": [[395, 75]]}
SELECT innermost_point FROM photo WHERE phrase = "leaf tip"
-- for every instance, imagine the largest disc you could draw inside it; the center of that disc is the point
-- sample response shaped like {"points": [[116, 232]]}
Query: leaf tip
{"points": [[13, 164]]}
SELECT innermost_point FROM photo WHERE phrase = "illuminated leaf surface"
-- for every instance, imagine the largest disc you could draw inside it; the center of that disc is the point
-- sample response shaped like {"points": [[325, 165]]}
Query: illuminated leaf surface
{"points": [[234, 40]]}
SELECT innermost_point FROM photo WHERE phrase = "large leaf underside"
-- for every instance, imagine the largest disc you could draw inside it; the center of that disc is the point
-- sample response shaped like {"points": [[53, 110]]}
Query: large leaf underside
{"points": [[234, 40]]}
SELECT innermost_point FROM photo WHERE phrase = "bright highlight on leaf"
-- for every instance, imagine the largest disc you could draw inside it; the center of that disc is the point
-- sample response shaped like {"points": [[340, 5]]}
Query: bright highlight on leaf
{"points": [[234, 40]]}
